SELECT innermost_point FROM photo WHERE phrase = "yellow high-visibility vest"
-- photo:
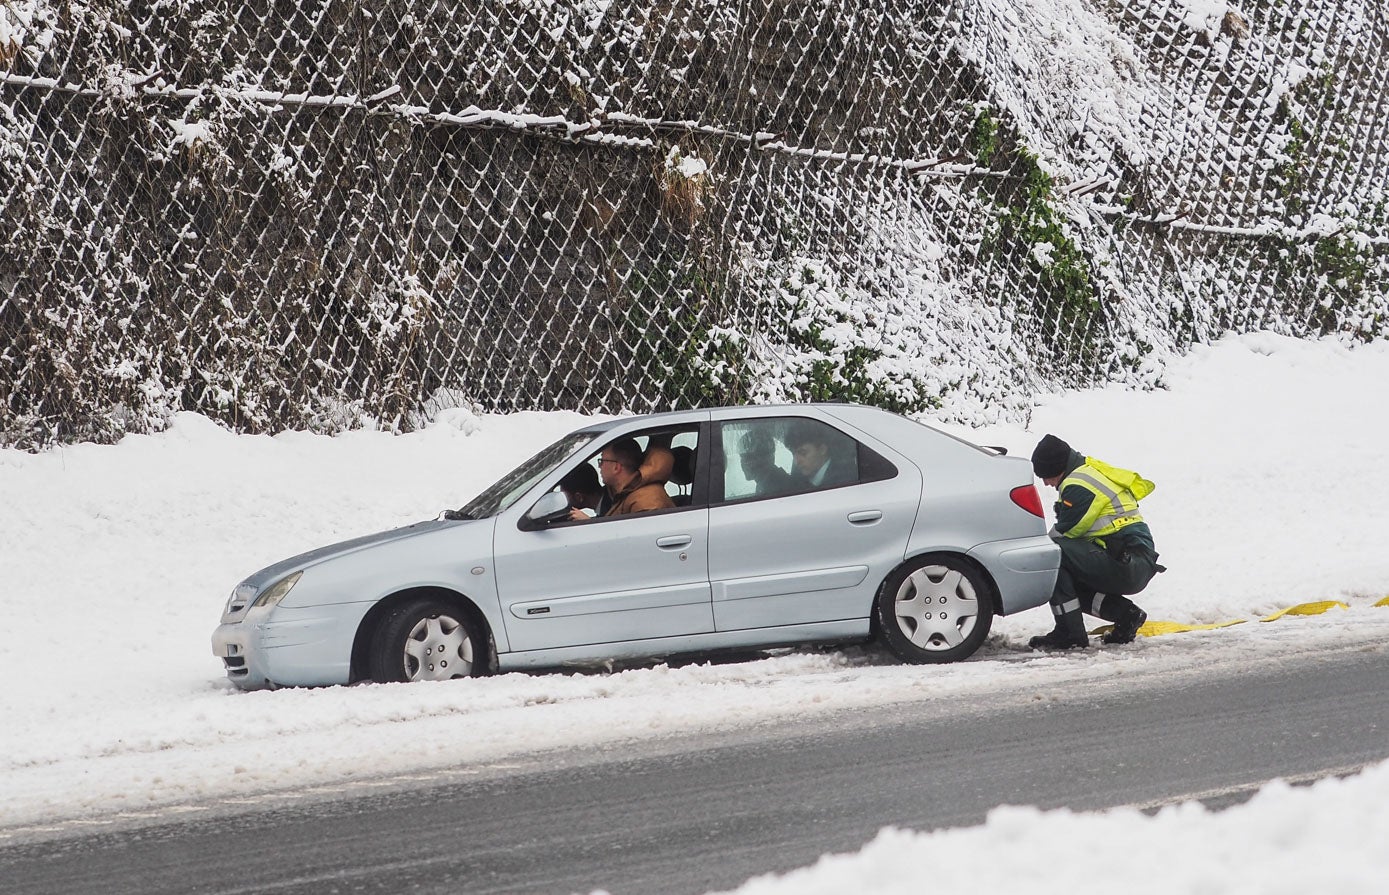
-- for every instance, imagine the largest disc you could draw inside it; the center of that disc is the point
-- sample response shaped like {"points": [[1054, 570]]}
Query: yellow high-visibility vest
{"points": [[1117, 492]]}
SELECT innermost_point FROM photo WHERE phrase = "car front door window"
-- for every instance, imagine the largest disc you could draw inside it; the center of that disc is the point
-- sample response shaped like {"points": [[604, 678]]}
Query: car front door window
{"points": [[610, 579]]}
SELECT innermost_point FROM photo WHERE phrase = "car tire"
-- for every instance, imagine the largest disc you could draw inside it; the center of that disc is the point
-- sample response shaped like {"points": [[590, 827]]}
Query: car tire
{"points": [[935, 608], [426, 639]]}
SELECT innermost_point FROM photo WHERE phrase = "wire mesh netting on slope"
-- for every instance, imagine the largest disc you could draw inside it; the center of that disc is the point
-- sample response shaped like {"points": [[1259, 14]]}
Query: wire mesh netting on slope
{"points": [[312, 213]]}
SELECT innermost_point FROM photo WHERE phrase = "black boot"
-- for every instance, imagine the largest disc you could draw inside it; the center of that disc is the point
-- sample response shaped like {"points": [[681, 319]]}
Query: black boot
{"points": [[1059, 638], [1069, 632], [1126, 625]]}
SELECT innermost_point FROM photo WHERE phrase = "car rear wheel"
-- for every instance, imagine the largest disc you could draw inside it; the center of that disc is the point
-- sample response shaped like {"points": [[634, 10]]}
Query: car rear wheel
{"points": [[934, 608], [426, 639]]}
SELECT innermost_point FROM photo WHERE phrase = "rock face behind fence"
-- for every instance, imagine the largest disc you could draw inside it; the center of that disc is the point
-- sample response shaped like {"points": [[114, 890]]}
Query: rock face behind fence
{"points": [[319, 213]]}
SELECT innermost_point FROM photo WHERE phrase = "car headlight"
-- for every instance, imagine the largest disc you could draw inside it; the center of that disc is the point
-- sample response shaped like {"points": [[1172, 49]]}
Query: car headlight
{"points": [[240, 598], [277, 591]]}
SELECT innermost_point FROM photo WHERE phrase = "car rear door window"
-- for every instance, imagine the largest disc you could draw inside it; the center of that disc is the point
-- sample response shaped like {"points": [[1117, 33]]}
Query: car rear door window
{"points": [[776, 456]]}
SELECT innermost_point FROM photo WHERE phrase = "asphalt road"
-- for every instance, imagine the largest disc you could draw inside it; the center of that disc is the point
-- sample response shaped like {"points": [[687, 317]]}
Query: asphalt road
{"points": [[704, 815]]}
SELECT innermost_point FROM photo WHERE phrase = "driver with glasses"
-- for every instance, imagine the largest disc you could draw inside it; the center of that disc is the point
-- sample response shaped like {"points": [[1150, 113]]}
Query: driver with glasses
{"points": [[620, 466]]}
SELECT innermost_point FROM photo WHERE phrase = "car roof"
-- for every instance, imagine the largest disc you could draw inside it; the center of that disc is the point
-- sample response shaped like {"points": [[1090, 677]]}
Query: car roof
{"points": [[676, 417]]}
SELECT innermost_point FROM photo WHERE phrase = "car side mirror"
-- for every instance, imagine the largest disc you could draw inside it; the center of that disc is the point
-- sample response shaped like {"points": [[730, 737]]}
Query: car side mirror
{"points": [[552, 507]]}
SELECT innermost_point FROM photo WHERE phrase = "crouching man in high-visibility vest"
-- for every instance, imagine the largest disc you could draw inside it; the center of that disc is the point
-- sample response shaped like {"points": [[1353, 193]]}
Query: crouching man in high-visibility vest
{"points": [[1107, 550]]}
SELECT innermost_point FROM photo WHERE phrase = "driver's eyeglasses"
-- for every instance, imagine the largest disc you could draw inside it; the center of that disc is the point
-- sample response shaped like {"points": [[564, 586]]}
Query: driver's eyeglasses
{"points": [[602, 460]]}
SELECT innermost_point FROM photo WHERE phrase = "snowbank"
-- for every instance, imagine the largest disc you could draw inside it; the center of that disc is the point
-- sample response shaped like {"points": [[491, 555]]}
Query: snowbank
{"points": [[1323, 838]]}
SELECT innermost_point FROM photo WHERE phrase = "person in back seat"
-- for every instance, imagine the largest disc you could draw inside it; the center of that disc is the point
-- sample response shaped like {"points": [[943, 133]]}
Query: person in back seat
{"points": [[815, 464], [758, 461]]}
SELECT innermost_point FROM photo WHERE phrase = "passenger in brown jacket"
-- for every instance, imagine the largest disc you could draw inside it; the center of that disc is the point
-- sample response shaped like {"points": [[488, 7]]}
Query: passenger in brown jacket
{"points": [[619, 468]]}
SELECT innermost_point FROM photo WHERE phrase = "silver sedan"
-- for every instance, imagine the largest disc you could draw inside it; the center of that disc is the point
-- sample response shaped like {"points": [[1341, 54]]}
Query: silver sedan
{"points": [[778, 526]]}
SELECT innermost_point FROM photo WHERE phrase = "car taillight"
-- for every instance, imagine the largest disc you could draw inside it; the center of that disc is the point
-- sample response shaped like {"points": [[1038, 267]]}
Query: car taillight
{"points": [[1026, 497]]}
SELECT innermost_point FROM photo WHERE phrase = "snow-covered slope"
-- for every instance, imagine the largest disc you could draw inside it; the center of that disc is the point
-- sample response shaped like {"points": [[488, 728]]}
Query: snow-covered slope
{"points": [[628, 204]]}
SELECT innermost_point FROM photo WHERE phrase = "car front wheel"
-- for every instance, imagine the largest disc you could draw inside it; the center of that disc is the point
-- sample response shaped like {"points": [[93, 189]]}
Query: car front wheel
{"points": [[426, 639], [934, 608]]}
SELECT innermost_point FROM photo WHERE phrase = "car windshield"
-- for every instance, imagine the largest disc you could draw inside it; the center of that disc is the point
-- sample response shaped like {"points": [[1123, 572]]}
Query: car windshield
{"points": [[520, 480]]}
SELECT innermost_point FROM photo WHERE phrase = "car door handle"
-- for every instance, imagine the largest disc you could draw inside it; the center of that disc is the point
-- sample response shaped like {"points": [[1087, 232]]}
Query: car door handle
{"points": [[865, 517], [674, 541]]}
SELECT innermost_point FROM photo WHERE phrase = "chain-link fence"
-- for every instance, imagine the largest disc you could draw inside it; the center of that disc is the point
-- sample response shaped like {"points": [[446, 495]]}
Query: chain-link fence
{"points": [[289, 213]]}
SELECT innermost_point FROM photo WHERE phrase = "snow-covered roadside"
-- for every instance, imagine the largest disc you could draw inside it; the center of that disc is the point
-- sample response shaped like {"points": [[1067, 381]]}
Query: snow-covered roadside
{"points": [[115, 562], [209, 744]]}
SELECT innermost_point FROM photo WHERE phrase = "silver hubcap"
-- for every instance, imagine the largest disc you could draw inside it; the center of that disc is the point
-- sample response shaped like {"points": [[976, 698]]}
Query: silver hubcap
{"points": [[937, 607], [438, 649]]}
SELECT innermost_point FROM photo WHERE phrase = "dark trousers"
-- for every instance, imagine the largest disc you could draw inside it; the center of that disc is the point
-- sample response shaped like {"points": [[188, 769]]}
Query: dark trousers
{"points": [[1093, 581]]}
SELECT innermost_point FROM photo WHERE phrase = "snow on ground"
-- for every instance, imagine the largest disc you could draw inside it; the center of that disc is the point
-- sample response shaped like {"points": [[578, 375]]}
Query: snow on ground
{"points": [[115, 562]]}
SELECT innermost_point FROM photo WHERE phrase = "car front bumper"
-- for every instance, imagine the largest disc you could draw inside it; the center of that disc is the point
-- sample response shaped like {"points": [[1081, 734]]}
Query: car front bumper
{"points": [[289, 647]]}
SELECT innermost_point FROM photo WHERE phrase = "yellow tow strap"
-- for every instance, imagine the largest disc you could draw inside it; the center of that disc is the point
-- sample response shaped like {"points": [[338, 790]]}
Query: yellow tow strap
{"points": [[1316, 608], [1158, 628]]}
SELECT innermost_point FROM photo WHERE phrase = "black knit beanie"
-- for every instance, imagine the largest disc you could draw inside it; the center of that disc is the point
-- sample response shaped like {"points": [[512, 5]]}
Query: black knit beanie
{"points": [[1050, 457]]}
